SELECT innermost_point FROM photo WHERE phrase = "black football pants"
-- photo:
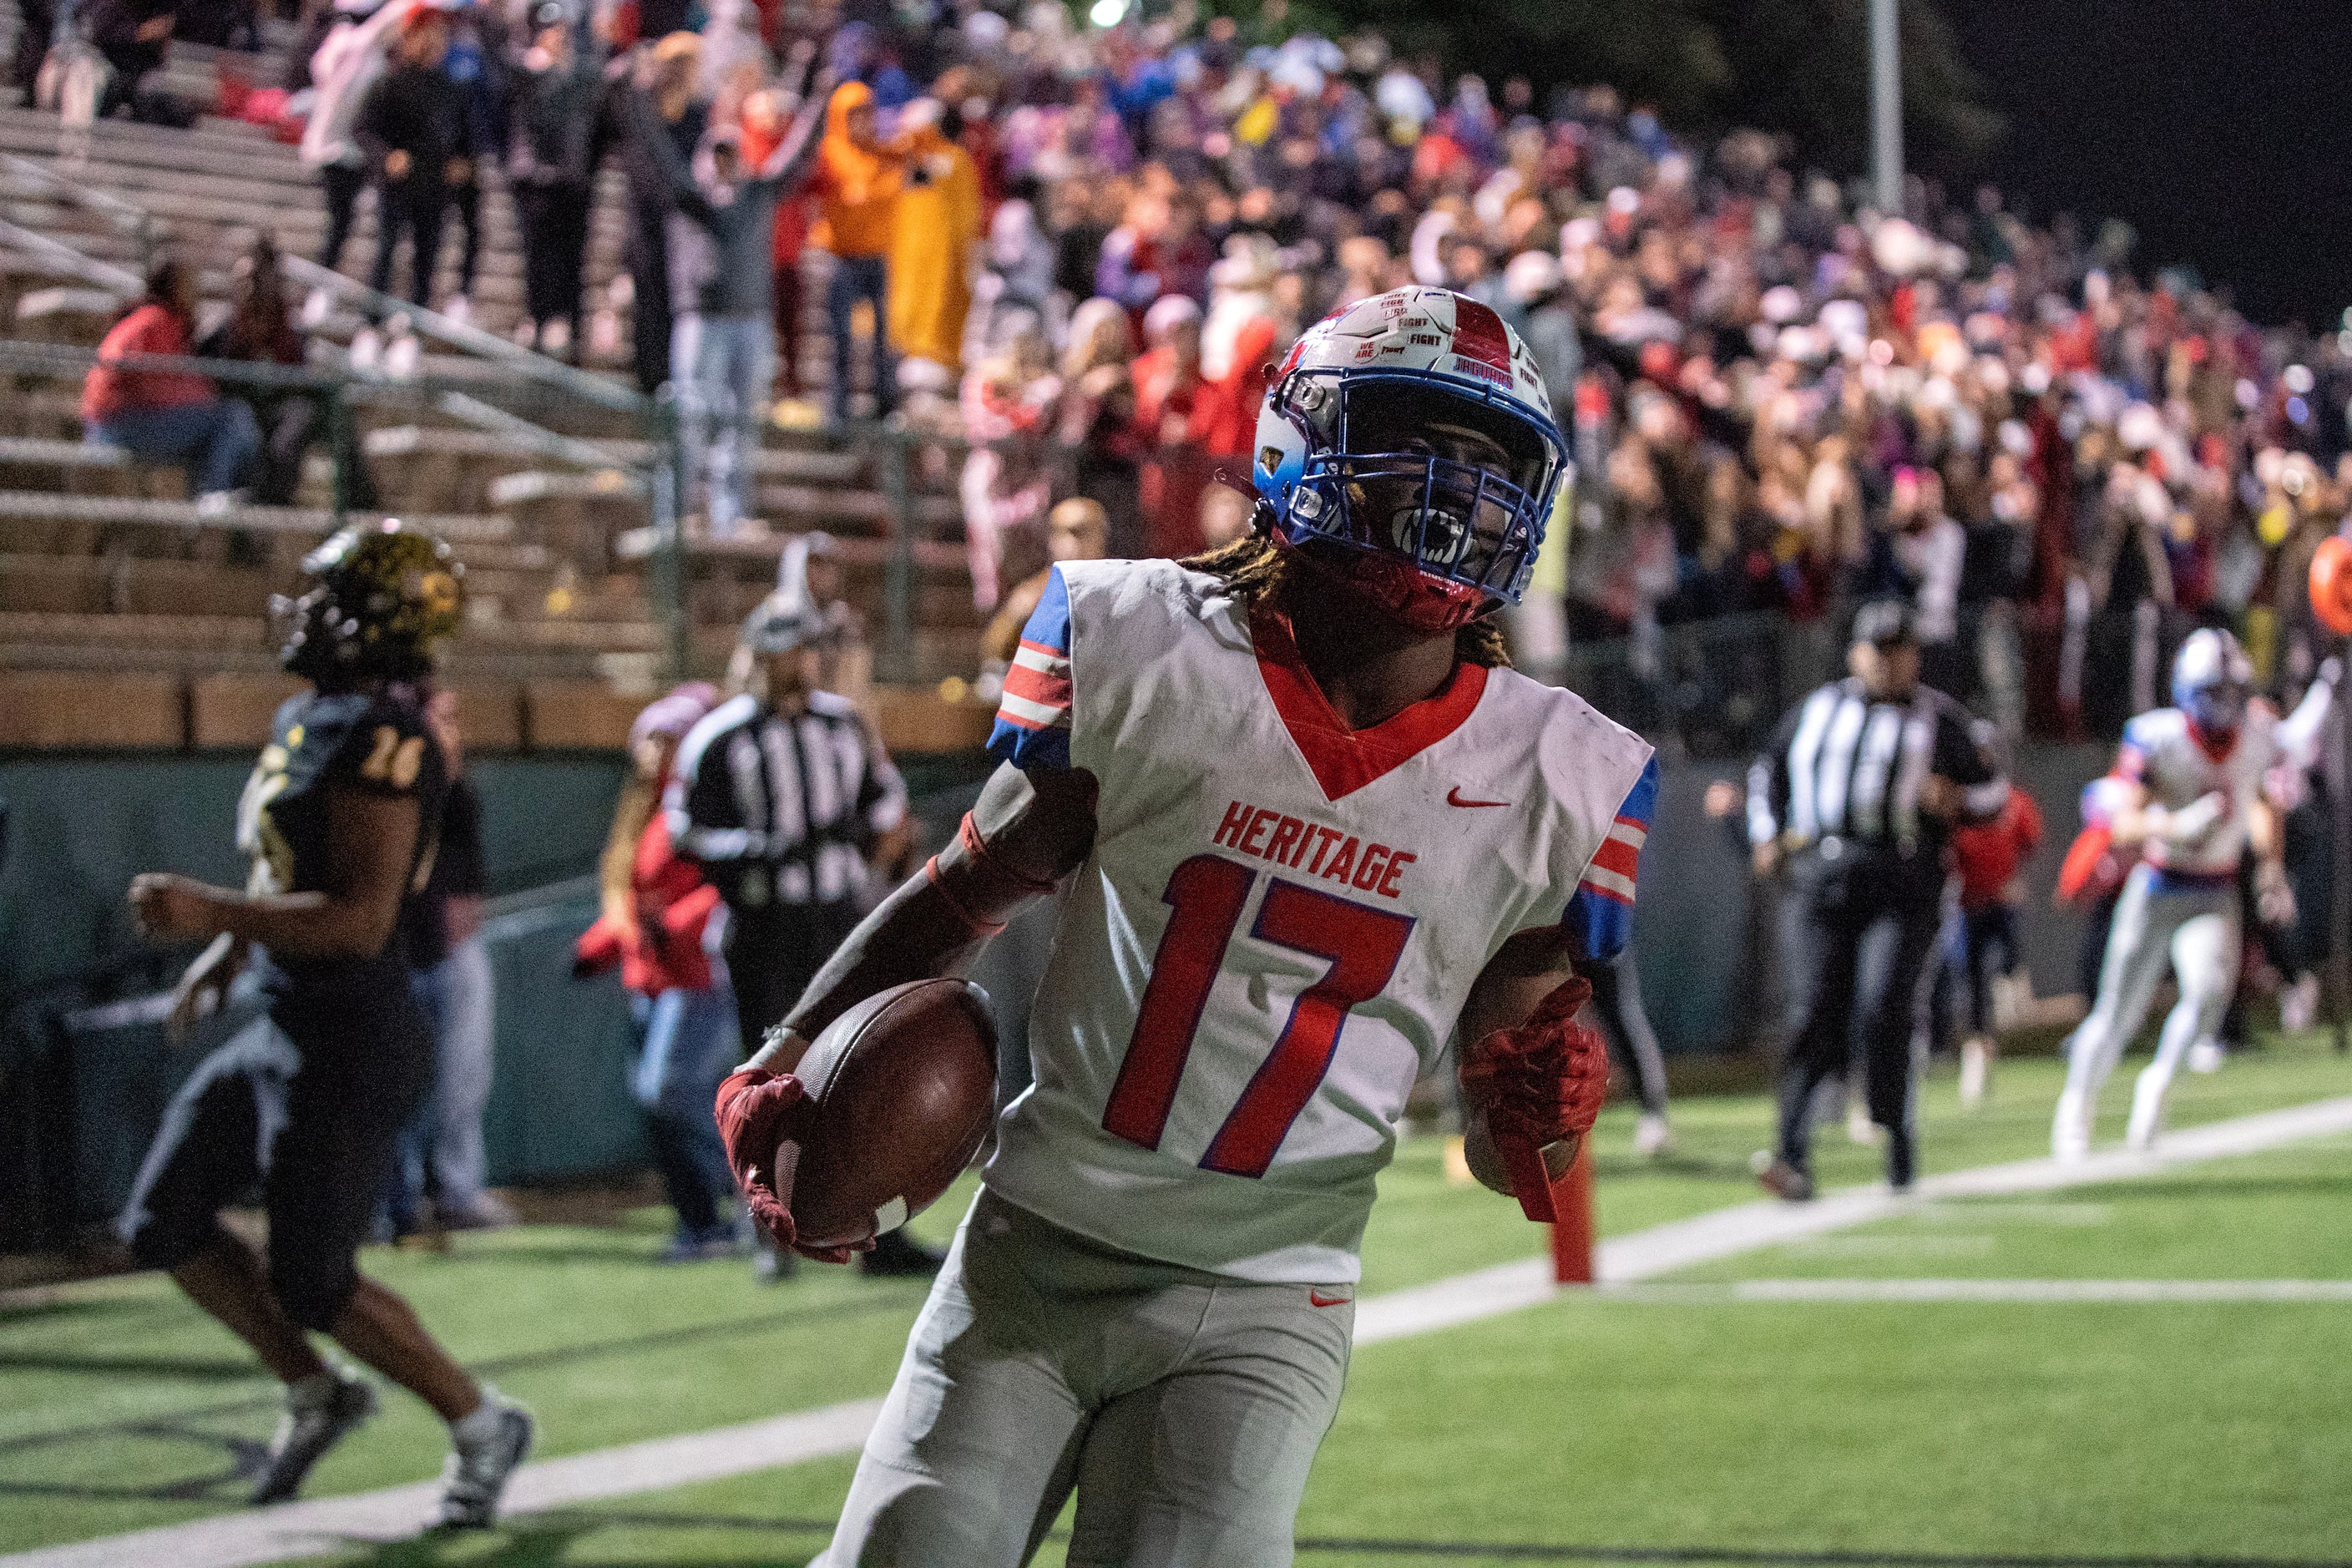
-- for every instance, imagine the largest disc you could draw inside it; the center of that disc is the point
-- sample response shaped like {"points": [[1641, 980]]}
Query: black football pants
{"points": [[1633, 1044], [305, 1104], [1863, 928], [773, 950]]}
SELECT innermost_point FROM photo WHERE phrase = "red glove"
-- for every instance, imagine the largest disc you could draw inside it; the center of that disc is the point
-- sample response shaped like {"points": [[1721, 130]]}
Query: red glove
{"points": [[1540, 1084], [751, 1107]]}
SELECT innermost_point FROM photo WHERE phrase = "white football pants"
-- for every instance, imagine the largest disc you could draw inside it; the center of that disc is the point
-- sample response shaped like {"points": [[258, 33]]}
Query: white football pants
{"points": [[2195, 932], [1183, 1408]]}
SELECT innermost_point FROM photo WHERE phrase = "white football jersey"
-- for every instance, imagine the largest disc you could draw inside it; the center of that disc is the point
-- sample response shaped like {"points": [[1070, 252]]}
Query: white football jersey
{"points": [[2163, 754], [1281, 917]]}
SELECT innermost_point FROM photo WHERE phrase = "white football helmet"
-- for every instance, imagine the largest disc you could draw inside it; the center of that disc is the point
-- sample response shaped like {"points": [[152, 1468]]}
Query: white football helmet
{"points": [[2212, 679], [1412, 430]]}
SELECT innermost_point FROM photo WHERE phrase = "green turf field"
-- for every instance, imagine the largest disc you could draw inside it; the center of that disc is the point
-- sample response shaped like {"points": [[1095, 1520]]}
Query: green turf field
{"points": [[1673, 1420]]}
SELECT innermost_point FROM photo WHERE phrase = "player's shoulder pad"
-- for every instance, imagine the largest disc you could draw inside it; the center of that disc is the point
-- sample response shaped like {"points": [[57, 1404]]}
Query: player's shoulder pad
{"points": [[1603, 779], [324, 718], [1101, 589], [2156, 727], [377, 741], [1589, 762], [1094, 618]]}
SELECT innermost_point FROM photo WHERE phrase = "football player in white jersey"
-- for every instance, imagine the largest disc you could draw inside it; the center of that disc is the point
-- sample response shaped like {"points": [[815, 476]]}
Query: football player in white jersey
{"points": [[2190, 792], [1304, 828]]}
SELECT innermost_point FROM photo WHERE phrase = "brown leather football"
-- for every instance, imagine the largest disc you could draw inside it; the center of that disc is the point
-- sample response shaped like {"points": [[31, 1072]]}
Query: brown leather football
{"points": [[901, 1088]]}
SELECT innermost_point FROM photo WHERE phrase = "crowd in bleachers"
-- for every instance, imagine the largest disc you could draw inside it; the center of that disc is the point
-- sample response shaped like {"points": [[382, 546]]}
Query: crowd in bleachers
{"points": [[1085, 244]]}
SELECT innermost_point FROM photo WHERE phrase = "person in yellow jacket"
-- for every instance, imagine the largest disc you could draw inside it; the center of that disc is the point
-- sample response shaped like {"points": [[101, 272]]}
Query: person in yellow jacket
{"points": [[938, 224], [857, 185]]}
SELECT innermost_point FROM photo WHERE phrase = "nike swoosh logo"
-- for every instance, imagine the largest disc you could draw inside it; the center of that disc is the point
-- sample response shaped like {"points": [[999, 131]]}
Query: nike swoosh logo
{"points": [[1454, 797], [1317, 1298]]}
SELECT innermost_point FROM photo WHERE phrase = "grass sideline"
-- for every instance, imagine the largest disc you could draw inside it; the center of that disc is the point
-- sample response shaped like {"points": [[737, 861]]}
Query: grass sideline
{"points": [[609, 1348], [1957, 1433]]}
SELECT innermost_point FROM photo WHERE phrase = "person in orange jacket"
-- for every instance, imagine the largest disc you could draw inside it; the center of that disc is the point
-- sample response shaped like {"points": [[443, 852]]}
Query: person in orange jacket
{"points": [[857, 187], [660, 926]]}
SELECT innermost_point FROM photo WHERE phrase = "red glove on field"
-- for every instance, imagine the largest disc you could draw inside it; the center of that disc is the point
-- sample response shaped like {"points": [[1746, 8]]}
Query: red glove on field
{"points": [[1540, 1083], [752, 1107]]}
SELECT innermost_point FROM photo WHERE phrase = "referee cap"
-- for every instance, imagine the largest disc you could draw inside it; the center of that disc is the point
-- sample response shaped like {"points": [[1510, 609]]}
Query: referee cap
{"points": [[1886, 623]]}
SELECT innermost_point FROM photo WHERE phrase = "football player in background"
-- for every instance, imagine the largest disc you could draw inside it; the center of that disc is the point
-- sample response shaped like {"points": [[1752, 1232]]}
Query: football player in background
{"points": [[2189, 795], [1305, 826], [339, 820]]}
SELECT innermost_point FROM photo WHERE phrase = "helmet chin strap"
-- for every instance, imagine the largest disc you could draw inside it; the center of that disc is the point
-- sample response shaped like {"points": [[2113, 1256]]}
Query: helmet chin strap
{"points": [[2214, 741], [1396, 588]]}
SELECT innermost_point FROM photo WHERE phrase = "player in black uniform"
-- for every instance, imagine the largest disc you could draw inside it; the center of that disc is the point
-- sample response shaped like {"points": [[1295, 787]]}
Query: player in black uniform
{"points": [[339, 819]]}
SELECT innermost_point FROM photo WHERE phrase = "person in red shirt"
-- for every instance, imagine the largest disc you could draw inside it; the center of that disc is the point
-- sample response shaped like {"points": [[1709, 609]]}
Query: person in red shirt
{"points": [[767, 117], [1989, 857], [659, 925], [1167, 392], [168, 416]]}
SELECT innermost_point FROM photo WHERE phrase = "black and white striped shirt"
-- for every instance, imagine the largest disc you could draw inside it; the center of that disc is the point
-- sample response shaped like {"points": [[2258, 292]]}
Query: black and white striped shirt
{"points": [[1842, 766], [783, 810]]}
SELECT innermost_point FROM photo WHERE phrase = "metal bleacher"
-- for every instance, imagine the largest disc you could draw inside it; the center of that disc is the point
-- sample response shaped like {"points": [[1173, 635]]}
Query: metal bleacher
{"points": [[542, 476]]}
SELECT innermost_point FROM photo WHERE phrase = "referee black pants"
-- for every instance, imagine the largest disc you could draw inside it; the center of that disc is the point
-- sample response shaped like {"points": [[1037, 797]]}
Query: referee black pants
{"points": [[773, 950], [1863, 927], [1625, 1025]]}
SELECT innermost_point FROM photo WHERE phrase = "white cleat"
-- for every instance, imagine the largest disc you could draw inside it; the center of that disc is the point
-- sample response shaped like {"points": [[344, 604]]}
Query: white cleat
{"points": [[2206, 1056], [1652, 1136], [2147, 1112], [1975, 1070], [320, 1411], [2070, 1130], [485, 1448], [2012, 995], [2299, 1005]]}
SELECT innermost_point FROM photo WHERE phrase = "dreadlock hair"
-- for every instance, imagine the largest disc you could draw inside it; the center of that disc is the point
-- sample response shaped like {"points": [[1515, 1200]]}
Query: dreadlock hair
{"points": [[1253, 565]]}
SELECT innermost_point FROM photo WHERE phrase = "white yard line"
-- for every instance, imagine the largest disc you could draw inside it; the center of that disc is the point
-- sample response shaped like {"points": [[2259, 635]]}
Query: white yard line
{"points": [[1746, 1227], [2036, 1293], [312, 1528], [309, 1529]]}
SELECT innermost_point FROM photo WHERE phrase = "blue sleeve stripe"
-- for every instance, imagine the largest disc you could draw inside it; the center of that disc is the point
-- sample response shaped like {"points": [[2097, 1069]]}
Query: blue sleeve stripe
{"points": [[1641, 805], [1031, 750], [1599, 920], [1597, 927], [1032, 721], [1049, 623]]}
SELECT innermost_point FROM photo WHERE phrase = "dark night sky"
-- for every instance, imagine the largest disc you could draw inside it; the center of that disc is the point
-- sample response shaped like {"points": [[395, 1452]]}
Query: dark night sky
{"points": [[2222, 130]]}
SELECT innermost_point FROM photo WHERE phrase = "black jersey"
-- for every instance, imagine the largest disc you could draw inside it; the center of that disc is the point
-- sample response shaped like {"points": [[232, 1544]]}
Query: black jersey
{"points": [[375, 741]]}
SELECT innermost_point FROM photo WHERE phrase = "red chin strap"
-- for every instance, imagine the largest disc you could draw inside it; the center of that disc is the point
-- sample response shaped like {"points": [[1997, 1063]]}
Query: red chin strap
{"points": [[2215, 745], [1398, 587]]}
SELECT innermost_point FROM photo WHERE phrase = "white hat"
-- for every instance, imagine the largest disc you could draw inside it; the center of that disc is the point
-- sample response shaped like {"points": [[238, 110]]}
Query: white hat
{"points": [[1530, 275], [1168, 312]]}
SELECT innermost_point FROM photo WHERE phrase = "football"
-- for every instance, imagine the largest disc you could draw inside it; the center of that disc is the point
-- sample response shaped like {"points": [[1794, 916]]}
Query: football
{"points": [[901, 1088]]}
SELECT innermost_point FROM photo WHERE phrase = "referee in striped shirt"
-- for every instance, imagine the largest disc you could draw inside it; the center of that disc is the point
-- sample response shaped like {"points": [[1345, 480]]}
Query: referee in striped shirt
{"points": [[1857, 797], [782, 796]]}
